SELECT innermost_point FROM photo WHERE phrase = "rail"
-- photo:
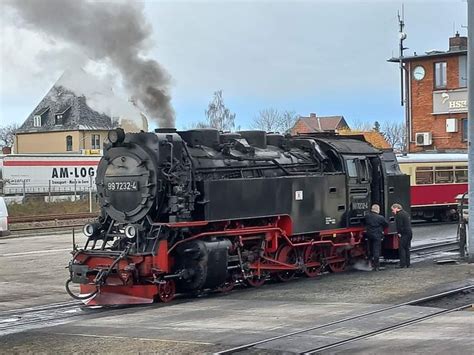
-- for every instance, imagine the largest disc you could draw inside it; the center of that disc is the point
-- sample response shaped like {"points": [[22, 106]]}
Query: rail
{"points": [[51, 217], [350, 320]]}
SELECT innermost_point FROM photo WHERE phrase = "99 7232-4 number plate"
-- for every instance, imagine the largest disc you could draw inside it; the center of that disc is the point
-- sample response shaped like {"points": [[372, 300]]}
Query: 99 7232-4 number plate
{"points": [[122, 186]]}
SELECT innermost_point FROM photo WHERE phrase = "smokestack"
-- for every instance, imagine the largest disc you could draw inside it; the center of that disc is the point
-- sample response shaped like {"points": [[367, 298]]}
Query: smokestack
{"points": [[458, 43], [115, 32]]}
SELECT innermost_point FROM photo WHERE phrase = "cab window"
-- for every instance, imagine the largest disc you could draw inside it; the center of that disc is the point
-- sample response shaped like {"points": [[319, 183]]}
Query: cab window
{"points": [[364, 171], [351, 168]]}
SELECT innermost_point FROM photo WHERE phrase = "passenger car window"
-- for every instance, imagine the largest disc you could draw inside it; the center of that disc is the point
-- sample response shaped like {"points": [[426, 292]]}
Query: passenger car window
{"points": [[460, 174], [444, 175], [424, 175]]}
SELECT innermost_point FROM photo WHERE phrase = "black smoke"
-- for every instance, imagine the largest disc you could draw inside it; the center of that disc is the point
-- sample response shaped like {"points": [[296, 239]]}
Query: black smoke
{"points": [[113, 31]]}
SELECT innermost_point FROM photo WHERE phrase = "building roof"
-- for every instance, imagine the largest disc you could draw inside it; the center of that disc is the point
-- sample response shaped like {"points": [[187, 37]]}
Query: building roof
{"points": [[429, 55], [78, 101], [315, 123]]}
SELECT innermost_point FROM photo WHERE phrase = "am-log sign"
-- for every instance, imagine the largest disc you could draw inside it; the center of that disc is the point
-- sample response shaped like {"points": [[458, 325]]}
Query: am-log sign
{"points": [[48, 173], [450, 101]]}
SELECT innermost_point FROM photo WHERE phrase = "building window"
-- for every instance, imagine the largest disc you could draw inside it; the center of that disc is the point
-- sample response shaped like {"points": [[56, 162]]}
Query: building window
{"points": [[95, 141], [58, 120], [463, 71], [464, 129], [440, 75], [69, 143], [37, 121]]}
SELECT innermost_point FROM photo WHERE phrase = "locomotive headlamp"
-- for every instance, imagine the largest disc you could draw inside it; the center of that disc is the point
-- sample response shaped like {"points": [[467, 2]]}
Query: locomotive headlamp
{"points": [[89, 229], [130, 231], [116, 135]]}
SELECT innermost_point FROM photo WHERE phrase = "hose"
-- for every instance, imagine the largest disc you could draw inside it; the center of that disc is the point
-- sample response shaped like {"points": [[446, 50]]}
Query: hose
{"points": [[79, 297], [100, 279]]}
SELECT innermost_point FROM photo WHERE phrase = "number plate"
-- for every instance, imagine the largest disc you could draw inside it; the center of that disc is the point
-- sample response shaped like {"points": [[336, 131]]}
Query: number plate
{"points": [[122, 186]]}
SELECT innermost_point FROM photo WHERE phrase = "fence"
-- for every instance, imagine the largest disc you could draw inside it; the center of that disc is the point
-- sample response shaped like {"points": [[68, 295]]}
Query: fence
{"points": [[20, 190]]}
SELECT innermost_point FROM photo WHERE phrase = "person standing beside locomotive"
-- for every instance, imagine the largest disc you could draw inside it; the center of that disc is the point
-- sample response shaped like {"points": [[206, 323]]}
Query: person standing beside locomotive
{"points": [[403, 223], [375, 224]]}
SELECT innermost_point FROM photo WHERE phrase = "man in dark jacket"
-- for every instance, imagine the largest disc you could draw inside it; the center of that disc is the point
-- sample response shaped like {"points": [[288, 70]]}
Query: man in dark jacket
{"points": [[375, 225], [403, 222]]}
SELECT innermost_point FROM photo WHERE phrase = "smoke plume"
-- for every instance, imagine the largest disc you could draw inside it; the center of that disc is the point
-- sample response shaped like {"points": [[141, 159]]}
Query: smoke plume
{"points": [[116, 32]]}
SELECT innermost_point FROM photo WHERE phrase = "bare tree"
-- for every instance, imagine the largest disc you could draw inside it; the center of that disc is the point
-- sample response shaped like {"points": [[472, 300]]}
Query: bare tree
{"points": [[7, 135], [288, 121], [272, 120], [219, 116], [361, 126], [268, 120], [395, 134], [197, 124]]}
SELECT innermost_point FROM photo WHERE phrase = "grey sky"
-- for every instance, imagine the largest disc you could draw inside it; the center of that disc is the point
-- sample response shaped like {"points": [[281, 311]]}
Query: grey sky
{"points": [[327, 57]]}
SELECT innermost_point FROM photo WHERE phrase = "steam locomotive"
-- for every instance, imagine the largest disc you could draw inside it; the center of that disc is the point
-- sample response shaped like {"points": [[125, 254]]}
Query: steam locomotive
{"points": [[187, 211]]}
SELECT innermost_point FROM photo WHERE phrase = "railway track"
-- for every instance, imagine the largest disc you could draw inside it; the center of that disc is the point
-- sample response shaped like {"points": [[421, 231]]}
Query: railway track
{"points": [[17, 320], [351, 321], [445, 246], [51, 217]]}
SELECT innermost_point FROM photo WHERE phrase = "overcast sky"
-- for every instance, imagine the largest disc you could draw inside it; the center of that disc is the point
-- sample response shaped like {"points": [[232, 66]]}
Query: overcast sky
{"points": [[327, 57]]}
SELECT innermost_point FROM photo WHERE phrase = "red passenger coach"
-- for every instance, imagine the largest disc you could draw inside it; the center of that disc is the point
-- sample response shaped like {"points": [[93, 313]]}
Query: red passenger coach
{"points": [[435, 180]]}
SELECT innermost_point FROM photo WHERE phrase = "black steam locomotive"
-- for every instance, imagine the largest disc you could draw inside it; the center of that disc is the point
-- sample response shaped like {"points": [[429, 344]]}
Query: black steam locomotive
{"points": [[191, 210]]}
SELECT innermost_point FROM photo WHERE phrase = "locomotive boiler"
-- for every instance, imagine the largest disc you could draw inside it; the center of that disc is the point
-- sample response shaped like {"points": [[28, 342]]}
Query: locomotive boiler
{"points": [[187, 211]]}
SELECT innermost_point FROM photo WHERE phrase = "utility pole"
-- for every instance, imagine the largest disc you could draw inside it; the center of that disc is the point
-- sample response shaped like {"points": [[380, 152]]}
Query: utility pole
{"points": [[470, 86]]}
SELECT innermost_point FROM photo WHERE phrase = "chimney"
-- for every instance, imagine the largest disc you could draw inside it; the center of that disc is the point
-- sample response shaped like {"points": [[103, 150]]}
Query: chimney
{"points": [[312, 114], [6, 150], [457, 43]]}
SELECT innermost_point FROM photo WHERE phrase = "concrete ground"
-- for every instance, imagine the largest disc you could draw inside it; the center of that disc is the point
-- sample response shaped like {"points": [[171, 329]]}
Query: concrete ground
{"points": [[32, 272]]}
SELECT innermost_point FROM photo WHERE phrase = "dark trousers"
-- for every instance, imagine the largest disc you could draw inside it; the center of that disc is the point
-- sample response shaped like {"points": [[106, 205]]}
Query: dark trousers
{"points": [[375, 244], [404, 250]]}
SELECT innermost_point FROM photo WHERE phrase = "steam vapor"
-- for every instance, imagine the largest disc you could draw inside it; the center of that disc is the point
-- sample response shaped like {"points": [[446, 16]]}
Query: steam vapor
{"points": [[116, 32]]}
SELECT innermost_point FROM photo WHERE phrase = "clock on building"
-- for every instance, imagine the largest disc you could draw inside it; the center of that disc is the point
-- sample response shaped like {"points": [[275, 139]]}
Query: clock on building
{"points": [[419, 72]]}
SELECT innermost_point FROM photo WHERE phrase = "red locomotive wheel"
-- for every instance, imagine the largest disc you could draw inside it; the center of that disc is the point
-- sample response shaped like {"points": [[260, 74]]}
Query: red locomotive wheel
{"points": [[338, 266], [286, 254], [166, 291], [312, 254], [256, 281]]}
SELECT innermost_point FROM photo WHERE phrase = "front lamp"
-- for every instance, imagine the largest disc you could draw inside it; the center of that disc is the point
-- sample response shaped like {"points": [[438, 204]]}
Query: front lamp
{"points": [[89, 229], [116, 135], [131, 231]]}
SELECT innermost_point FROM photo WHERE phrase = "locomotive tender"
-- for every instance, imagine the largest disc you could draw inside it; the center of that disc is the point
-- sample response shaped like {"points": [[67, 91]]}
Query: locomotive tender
{"points": [[186, 211]]}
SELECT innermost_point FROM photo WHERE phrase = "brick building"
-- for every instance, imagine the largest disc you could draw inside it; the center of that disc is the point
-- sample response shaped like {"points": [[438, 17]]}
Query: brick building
{"points": [[436, 98], [314, 123]]}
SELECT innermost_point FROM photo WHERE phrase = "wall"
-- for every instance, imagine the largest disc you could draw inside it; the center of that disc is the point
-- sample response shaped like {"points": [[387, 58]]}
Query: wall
{"points": [[422, 119], [55, 142]]}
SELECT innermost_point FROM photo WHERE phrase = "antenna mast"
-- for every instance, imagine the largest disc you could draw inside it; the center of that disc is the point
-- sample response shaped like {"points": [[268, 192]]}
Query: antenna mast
{"points": [[402, 36]]}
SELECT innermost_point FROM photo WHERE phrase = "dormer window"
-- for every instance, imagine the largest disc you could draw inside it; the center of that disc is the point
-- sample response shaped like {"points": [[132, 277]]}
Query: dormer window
{"points": [[61, 116], [58, 120], [38, 117], [37, 121]]}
